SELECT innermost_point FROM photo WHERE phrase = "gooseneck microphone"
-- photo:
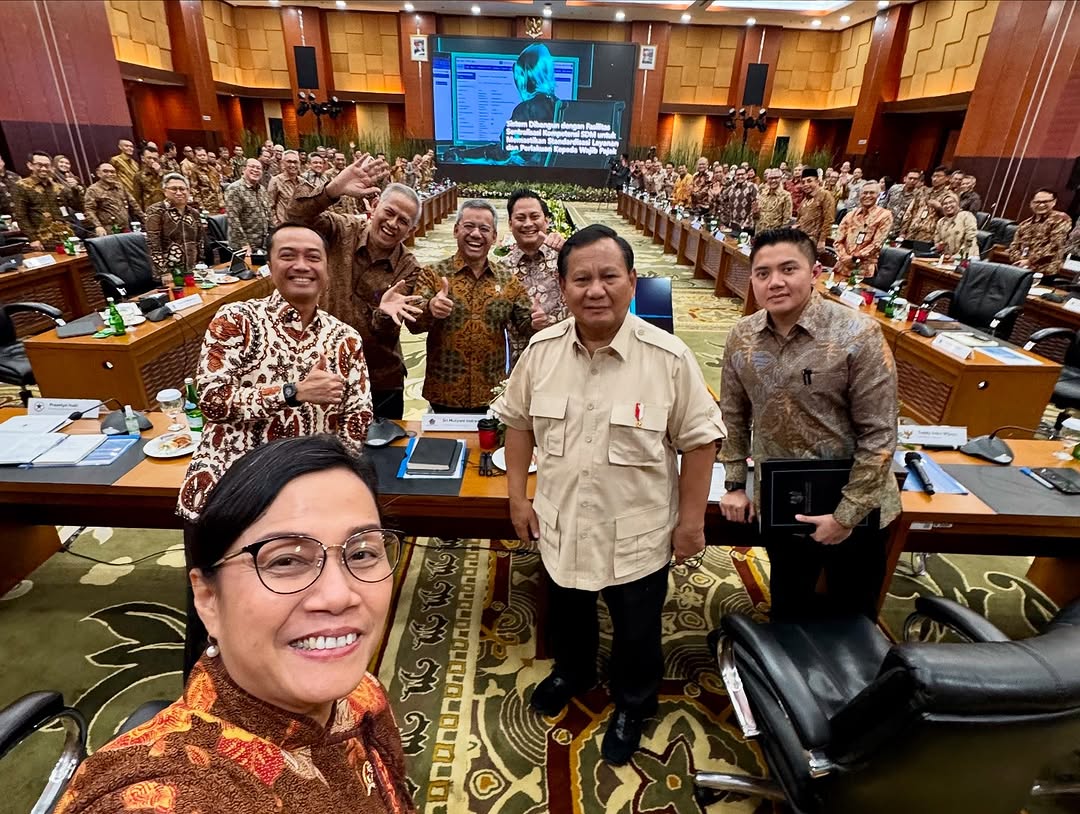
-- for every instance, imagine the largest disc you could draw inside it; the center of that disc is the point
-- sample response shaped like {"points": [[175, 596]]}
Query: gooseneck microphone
{"points": [[914, 462]]}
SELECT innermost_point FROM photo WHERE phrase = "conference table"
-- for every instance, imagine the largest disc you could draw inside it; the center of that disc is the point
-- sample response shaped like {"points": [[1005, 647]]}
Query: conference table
{"points": [[66, 283], [134, 367], [926, 276], [144, 495], [432, 211]]}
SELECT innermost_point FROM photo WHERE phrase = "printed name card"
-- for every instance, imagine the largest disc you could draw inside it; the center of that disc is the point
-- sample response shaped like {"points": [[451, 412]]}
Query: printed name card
{"points": [[451, 422], [45, 406], [958, 350], [852, 299], [939, 436], [39, 262], [1072, 305]]}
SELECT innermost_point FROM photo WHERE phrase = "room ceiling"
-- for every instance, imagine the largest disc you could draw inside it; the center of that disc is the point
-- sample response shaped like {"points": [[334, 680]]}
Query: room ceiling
{"points": [[787, 13]]}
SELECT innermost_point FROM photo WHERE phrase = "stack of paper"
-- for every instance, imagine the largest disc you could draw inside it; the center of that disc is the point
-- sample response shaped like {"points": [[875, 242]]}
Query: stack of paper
{"points": [[70, 451], [23, 447]]}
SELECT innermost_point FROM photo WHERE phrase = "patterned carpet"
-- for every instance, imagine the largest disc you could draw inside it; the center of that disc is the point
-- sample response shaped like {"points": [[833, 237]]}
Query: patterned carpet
{"points": [[459, 655]]}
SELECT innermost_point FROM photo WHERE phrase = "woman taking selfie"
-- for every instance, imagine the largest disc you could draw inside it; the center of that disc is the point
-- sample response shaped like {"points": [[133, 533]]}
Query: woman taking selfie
{"points": [[292, 580]]}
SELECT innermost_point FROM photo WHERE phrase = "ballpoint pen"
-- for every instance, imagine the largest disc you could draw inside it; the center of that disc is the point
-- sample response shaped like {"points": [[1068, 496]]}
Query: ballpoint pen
{"points": [[1039, 480]]}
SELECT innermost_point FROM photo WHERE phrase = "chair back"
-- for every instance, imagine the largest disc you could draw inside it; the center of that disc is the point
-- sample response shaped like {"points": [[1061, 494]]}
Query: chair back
{"points": [[997, 226], [125, 257], [986, 288], [652, 302], [985, 241], [893, 266], [958, 727], [217, 230], [8, 336], [217, 226], [1008, 232], [981, 218]]}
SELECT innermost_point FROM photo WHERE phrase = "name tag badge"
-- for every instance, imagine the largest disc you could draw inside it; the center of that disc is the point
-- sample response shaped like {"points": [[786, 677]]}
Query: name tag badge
{"points": [[924, 213], [63, 211], [859, 238], [80, 216]]}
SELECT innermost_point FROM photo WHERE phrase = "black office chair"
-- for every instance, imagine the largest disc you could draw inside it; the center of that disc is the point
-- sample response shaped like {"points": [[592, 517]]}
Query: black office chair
{"points": [[922, 248], [1008, 232], [122, 265], [850, 724], [828, 258], [989, 297], [217, 233], [14, 366], [25, 716], [1067, 390], [981, 218], [997, 226], [985, 240], [892, 268], [652, 302]]}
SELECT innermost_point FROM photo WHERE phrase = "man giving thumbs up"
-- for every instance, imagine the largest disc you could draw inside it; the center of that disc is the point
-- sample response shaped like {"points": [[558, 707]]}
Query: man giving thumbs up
{"points": [[469, 301]]}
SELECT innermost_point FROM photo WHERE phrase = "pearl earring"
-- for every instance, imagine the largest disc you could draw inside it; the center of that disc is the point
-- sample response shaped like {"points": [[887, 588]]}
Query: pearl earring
{"points": [[212, 650]]}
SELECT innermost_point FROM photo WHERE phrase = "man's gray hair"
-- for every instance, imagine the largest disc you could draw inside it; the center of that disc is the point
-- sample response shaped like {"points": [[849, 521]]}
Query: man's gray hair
{"points": [[476, 203], [174, 176], [407, 192], [291, 152]]}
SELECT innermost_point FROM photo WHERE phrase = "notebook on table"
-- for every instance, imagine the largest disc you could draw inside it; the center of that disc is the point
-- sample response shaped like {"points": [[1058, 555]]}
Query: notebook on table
{"points": [[432, 455]]}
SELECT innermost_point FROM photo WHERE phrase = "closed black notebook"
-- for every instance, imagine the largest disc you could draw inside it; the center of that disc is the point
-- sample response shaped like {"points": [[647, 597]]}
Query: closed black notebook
{"points": [[803, 486], [433, 455]]}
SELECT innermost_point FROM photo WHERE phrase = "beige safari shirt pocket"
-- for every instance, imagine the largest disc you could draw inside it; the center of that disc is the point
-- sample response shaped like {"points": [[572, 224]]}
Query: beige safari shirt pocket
{"points": [[548, 515], [548, 413], [636, 436], [636, 537]]}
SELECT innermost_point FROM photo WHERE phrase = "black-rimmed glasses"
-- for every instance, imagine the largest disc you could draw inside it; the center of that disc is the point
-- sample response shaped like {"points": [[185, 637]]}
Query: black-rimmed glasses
{"points": [[290, 563]]}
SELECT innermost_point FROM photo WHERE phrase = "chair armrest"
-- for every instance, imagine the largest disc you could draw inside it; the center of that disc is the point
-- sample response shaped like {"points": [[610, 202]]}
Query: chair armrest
{"points": [[1004, 314], [55, 314], [957, 618], [24, 715], [1069, 616], [788, 683], [111, 279], [1043, 334], [940, 294]]}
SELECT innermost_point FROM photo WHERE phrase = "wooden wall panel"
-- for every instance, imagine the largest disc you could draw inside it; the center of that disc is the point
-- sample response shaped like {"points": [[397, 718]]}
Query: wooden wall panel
{"points": [[590, 30], [221, 41], [700, 64], [140, 32], [648, 88], [476, 26], [804, 71], [263, 57], [365, 52], [851, 56], [416, 77], [945, 45]]}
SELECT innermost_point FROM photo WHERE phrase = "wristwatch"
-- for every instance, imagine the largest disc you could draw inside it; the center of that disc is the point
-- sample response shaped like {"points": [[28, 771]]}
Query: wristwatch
{"points": [[289, 392], [734, 486]]}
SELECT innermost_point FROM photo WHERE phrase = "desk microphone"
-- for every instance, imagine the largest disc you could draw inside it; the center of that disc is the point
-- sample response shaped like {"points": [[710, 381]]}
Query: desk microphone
{"points": [[914, 462], [113, 423]]}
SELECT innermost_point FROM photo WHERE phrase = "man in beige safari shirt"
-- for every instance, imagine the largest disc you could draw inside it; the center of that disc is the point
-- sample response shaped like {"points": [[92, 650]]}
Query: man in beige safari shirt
{"points": [[608, 399]]}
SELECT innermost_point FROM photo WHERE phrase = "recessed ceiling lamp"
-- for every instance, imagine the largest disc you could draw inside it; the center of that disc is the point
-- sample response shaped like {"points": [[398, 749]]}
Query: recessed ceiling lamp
{"points": [[547, 9], [341, 4], [816, 23], [275, 2], [686, 18], [620, 16], [409, 7], [476, 9], [882, 3], [845, 18], [751, 21]]}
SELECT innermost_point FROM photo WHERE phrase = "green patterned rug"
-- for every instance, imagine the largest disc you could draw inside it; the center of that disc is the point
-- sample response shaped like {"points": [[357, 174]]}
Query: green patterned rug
{"points": [[459, 658]]}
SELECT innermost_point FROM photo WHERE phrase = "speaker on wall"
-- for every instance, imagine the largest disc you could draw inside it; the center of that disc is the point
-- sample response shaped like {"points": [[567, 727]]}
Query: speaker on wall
{"points": [[307, 72], [756, 74]]}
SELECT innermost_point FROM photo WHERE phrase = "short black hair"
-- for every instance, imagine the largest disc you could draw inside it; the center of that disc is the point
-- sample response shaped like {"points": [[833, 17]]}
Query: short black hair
{"points": [[589, 235], [169, 145], [1047, 190], [917, 172], [520, 194], [293, 225], [809, 172], [35, 153], [942, 168], [254, 481], [786, 234]]}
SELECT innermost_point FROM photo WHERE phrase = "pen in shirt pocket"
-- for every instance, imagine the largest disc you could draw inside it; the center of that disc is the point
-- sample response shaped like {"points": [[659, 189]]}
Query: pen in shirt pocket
{"points": [[807, 376]]}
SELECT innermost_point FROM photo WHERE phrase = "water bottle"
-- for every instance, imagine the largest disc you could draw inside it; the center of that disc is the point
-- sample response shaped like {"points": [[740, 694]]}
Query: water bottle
{"points": [[116, 322]]}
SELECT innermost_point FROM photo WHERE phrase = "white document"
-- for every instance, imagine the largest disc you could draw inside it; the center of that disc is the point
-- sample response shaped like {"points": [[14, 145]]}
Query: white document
{"points": [[71, 450], [23, 448], [38, 424], [716, 483]]}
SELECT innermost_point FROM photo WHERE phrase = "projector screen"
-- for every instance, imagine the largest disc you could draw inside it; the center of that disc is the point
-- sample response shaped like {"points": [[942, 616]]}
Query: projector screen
{"points": [[530, 109]]}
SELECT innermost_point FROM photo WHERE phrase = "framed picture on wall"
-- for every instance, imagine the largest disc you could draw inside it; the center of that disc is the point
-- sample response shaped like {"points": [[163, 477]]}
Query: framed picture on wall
{"points": [[418, 47], [647, 58]]}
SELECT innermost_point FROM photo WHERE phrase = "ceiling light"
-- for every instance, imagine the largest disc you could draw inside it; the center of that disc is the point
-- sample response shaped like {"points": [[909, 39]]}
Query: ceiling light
{"points": [[340, 3], [547, 10], [476, 9], [686, 18], [845, 18], [409, 6], [620, 16], [816, 23], [882, 3], [275, 2], [751, 21]]}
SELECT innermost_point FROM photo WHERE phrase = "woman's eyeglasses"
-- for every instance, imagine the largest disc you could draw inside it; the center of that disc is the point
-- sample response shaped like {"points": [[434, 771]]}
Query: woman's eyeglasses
{"points": [[291, 563]]}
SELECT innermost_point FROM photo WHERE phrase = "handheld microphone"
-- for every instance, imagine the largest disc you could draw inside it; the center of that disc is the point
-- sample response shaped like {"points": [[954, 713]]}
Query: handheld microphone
{"points": [[914, 462]]}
